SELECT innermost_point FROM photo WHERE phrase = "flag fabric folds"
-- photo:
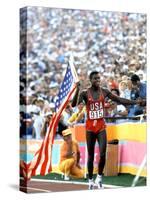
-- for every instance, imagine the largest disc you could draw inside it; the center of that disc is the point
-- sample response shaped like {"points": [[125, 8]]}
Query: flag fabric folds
{"points": [[41, 163], [65, 87]]}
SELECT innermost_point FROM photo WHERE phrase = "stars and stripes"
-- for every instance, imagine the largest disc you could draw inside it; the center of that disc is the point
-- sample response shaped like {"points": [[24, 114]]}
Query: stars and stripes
{"points": [[41, 163], [65, 87]]}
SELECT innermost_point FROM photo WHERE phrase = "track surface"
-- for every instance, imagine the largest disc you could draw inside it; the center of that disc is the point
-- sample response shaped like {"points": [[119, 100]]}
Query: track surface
{"points": [[45, 186]]}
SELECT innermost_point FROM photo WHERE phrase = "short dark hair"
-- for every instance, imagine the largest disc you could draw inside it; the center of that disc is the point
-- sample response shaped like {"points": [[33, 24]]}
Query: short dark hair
{"points": [[93, 73], [135, 78]]}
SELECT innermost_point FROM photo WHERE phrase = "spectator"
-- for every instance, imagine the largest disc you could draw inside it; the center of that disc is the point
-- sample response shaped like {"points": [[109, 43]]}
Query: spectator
{"points": [[141, 87], [46, 123], [138, 92], [27, 130], [39, 102], [59, 31], [112, 83], [129, 87], [61, 127], [38, 121], [118, 110], [67, 114], [70, 157], [123, 89], [78, 116]]}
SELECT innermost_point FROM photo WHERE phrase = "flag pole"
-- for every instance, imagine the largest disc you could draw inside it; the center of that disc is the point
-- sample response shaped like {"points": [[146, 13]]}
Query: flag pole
{"points": [[71, 63], [41, 162]]}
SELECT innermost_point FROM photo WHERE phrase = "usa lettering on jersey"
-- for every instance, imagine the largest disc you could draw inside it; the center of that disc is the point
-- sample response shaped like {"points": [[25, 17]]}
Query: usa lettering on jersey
{"points": [[96, 110]]}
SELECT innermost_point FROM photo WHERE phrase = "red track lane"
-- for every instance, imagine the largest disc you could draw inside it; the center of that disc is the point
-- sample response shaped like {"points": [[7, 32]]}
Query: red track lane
{"points": [[39, 187]]}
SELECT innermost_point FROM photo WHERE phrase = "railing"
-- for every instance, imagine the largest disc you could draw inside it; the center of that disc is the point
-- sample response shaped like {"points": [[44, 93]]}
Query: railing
{"points": [[139, 118]]}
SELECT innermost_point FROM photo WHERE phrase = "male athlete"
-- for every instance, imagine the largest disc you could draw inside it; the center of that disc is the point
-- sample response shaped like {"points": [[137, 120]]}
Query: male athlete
{"points": [[94, 99]]}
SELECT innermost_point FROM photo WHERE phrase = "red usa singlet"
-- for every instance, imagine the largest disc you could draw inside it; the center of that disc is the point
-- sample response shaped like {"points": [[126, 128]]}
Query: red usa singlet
{"points": [[95, 113]]}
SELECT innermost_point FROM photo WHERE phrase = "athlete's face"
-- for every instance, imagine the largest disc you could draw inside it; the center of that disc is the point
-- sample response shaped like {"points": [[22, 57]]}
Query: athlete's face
{"points": [[95, 80]]}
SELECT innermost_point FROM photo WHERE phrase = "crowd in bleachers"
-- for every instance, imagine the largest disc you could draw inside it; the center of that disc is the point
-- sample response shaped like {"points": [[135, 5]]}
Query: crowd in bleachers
{"points": [[112, 43]]}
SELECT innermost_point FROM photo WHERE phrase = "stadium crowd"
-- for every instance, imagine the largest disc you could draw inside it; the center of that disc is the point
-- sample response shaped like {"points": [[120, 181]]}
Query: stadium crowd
{"points": [[112, 43]]}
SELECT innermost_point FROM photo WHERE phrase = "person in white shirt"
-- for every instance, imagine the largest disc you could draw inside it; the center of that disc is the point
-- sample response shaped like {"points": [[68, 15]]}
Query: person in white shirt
{"points": [[38, 121], [118, 110]]}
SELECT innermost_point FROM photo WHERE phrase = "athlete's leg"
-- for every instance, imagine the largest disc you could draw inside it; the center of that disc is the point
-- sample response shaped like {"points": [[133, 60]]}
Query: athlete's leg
{"points": [[102, 141], [90, 139]]}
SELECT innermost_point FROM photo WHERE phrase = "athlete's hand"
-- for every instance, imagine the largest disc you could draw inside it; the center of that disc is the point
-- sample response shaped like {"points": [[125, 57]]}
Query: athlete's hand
{"points": [[78, 84], [141, 102]]}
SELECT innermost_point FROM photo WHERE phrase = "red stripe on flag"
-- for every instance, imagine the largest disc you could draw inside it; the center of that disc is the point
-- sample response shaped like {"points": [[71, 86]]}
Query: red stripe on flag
{"points": [[42, 157], [39, 162], [44, 164], [51, 133], [62, 107]]}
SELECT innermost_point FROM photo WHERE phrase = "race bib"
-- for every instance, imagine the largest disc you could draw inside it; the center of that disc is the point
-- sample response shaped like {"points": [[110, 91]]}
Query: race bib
{"points": [[96, 111], [96, 114]]}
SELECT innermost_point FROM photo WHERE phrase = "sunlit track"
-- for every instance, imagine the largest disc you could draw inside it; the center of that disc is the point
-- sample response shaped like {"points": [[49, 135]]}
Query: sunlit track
{"points": [[40, 185], [34, 189]]}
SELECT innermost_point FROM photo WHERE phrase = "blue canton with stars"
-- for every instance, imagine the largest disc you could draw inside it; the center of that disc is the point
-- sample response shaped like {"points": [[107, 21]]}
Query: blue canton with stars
{"points": [[65, 87]]}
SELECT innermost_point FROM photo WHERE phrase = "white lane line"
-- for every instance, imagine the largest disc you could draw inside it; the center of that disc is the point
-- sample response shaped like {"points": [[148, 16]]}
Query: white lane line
{"points": [[36, 189], [71, 182]]}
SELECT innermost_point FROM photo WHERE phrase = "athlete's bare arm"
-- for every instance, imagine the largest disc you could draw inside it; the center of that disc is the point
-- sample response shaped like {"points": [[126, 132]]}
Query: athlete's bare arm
{"points": [[120, 100], [79, 96]]}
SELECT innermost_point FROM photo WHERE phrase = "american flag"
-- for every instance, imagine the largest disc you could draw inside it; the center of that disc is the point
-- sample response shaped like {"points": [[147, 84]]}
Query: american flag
{"points": [[65, 87], [41, 163]]}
